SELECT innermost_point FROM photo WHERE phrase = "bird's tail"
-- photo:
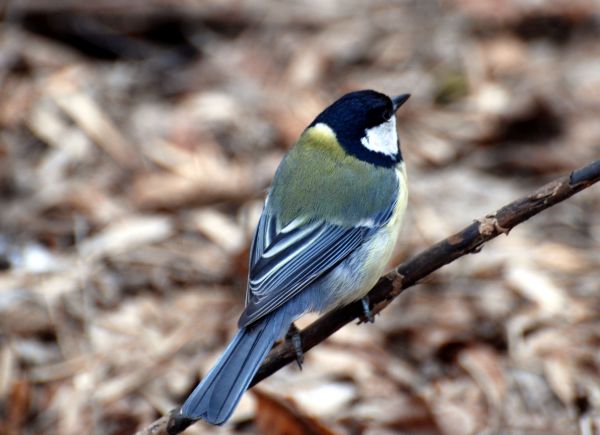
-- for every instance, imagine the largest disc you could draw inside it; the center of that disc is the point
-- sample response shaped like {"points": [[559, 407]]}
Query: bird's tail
{"points": [[215, 398]]}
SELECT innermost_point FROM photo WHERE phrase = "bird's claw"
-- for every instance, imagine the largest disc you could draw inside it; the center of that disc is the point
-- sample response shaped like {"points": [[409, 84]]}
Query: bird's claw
{"points": [[367, 310], [293, 335]]}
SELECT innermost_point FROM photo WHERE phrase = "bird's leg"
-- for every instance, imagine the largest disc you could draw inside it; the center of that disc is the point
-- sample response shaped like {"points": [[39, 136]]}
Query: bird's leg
{"points": [[367, 310], [293, 335]]}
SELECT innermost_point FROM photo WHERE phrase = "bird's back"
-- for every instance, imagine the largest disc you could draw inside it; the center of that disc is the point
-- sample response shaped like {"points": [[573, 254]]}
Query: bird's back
{"points": [[336, 182]]}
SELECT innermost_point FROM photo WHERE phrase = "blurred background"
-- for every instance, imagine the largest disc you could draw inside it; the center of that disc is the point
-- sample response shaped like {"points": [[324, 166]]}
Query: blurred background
{"points": [[137, 140]]}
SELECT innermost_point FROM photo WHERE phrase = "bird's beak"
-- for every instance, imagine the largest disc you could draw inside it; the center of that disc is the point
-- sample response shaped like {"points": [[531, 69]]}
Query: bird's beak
{"points": [[399, 100]]}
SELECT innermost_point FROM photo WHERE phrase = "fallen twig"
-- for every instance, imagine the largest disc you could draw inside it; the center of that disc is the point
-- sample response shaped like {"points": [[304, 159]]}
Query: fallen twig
{"points": [[469, 240]]}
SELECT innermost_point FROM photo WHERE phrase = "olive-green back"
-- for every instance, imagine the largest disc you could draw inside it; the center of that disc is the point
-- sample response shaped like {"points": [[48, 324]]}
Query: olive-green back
{"points": [[319, 180]]}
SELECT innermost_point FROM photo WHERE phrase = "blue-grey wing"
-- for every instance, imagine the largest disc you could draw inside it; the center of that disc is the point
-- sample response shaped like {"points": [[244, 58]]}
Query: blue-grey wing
{"points": [[285, 260], [265, 233]]}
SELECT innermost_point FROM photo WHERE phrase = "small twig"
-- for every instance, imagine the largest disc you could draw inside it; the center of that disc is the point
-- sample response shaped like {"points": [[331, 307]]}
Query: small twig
{"points": [[469, 240]]}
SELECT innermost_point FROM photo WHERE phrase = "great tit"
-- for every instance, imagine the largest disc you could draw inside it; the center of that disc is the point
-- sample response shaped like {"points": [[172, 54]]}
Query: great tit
{"points": [[325, 235]]}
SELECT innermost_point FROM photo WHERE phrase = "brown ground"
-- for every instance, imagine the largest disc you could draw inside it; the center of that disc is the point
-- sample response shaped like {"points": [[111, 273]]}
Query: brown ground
{"points": [[136, 143]]}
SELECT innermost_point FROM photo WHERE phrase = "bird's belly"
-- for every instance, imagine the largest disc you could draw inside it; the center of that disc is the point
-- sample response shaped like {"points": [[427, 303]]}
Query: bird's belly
{"points": [[354, 277]]}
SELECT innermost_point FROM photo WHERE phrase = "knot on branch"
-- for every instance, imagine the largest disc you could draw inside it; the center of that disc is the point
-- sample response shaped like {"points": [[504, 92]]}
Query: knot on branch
{"points": [[490, 227]]}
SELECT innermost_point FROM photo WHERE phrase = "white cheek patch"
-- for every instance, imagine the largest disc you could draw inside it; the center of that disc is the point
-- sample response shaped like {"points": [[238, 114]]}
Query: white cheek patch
{"points": [[382, 139]]}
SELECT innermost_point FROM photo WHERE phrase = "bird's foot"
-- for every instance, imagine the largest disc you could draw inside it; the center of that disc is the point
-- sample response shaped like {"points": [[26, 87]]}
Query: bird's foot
{"points": [[367, 309], [293, 335]]}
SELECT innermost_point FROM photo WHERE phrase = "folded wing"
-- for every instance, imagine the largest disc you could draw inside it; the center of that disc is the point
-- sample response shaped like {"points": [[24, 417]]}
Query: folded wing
{"points": [[285, 260]]}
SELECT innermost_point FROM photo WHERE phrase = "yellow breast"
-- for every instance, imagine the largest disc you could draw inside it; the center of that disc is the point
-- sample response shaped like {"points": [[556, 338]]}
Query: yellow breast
{"points": [[376, 254]]}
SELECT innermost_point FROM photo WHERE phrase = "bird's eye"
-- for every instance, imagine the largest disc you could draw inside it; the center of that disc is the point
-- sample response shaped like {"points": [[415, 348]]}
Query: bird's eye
{"points": [[387, 115]]}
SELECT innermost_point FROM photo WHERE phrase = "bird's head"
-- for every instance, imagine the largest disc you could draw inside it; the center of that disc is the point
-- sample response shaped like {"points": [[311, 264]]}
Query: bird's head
{"points": [[364, 124]]}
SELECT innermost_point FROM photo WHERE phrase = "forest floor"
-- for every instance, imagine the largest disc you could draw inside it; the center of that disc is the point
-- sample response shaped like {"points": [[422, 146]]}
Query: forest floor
{"points": [[136, 146]]}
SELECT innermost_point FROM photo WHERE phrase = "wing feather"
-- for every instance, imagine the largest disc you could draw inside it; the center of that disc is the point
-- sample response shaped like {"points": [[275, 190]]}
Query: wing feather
{"points": [[285, 260]]}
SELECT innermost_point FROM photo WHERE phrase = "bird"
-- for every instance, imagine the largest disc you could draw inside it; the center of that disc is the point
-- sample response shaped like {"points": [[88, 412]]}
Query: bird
{"points": [[327, 230]]}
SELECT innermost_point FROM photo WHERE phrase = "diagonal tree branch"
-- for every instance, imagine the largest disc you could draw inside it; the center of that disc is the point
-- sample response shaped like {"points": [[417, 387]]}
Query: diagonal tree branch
{"points": [[469, 240]]}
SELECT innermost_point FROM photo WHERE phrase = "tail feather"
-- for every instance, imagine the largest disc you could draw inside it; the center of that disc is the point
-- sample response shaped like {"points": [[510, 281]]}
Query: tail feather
{"points": [[217, 395]]}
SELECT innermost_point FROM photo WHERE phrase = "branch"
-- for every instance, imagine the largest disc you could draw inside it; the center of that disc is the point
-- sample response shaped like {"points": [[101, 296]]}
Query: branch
{"points": [[467, 241]]}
